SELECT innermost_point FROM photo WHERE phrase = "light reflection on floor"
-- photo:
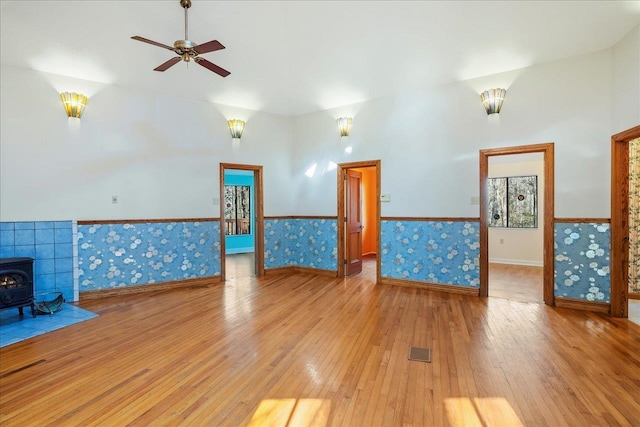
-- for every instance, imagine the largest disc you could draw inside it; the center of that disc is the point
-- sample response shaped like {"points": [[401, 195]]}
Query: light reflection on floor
{"points": [[289, 413], [481, 411]]}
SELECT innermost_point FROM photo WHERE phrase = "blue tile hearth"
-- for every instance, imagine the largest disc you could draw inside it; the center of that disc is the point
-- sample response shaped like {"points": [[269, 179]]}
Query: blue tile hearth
{"points": [[14, 329]]}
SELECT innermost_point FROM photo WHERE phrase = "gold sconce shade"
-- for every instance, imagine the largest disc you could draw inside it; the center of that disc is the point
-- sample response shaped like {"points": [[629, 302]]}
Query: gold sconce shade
{"points": [[236, 127], [492, 100], [344, 125], [73, 103]]}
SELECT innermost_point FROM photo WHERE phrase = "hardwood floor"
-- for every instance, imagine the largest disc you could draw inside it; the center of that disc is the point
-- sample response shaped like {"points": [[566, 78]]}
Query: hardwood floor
{"points": [[516, 282], [368, 268], [314, 350], [634, 311], [240, 265]]}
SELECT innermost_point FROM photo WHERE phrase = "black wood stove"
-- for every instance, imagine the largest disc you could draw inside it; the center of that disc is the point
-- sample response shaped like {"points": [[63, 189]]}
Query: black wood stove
{"points": [[16, 284]]}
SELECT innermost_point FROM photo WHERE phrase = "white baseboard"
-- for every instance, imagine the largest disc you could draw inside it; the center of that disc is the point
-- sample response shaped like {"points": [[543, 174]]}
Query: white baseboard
{"points": [[515, 262]]}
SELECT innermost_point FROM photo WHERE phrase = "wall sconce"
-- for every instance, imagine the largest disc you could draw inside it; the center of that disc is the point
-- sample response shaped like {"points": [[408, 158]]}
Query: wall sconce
{"points": [[344, 125], [236, 127], [73, 103], [492, 100]]}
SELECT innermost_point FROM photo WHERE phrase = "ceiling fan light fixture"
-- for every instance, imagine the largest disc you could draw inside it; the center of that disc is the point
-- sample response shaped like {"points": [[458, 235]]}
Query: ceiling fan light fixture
{"points": [[236, 126], [188, 50], [73, 103]]}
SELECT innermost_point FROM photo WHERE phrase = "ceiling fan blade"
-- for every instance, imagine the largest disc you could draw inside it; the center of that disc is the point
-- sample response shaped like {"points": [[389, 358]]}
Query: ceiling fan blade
{"points": [[211, 66], [169, 63], [142, 39], [211, 46]]}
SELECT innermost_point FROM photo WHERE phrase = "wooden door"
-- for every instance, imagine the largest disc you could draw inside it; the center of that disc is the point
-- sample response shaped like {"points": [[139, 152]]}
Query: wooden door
{"points": [[354, 222]]}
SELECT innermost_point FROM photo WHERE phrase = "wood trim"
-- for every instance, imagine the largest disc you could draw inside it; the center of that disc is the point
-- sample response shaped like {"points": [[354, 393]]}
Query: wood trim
{"points": [[151, 287], [627, 135], [430, 218], [633, 296], [301, 217], [548, 215], [259, 221], [519, 149], [294, 269], [465, 290], [223, 240], [142, 221], [315, 271], [483, 291], [340, 171], [549, 232], [582, 220], [578, 304], [278, 270], [620, 221]]}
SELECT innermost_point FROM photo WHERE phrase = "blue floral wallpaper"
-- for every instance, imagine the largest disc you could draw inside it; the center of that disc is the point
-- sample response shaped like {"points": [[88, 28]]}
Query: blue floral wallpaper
{"points": [[582, 261], [301, 242], [116, 255], [431, 251]]}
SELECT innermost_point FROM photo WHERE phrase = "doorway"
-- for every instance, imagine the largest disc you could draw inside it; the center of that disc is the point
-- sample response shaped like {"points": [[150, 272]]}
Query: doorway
{"points": [[620, 210], [358, 189], [516, 203], [241, 220], [547, 214]]}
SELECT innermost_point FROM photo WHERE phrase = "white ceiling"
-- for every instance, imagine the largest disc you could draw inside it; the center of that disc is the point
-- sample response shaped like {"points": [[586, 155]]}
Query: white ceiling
{"points": [[297, 57]]}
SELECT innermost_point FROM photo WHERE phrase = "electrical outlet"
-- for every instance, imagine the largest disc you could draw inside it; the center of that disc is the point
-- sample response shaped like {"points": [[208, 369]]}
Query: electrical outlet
{"points": [[216, 200], [114, 200], [475, 200], [385, 197]]}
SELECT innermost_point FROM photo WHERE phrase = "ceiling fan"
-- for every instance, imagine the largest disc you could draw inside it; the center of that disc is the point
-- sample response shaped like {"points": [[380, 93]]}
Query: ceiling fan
{"points": [[188, 50]]}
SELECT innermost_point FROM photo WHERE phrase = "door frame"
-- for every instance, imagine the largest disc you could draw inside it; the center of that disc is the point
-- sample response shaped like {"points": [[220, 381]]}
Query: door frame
{"points": [[259, 216], [620, 221], [548, 214], [342, 168]]}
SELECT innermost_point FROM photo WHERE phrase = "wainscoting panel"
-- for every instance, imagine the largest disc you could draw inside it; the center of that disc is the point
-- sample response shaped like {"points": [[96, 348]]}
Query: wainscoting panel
{"points": [[301, 242], [423, 250], [136, 253], [582, 261]]}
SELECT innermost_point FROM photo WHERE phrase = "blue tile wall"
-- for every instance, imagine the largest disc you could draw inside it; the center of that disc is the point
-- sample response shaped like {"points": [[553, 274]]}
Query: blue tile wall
{"points": [[51, 244], [115, 255], [431, 251], [582, 261], [301, 242]]}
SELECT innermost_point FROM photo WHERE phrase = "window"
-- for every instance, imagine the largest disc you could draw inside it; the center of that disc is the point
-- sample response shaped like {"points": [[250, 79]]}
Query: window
{"points": [[513, 202], [237, 209]]}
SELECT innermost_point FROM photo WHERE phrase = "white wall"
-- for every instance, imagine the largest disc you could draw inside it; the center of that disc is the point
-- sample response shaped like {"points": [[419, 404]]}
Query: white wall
{"points": [[518, 245], [160, 155], [429, 140], [625, 67]]}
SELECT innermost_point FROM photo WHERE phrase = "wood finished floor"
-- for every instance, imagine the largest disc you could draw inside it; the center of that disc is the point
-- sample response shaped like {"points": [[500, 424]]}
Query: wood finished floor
{"points": [[516, 282], [240, 265], [634, 311], [308, 350]]}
